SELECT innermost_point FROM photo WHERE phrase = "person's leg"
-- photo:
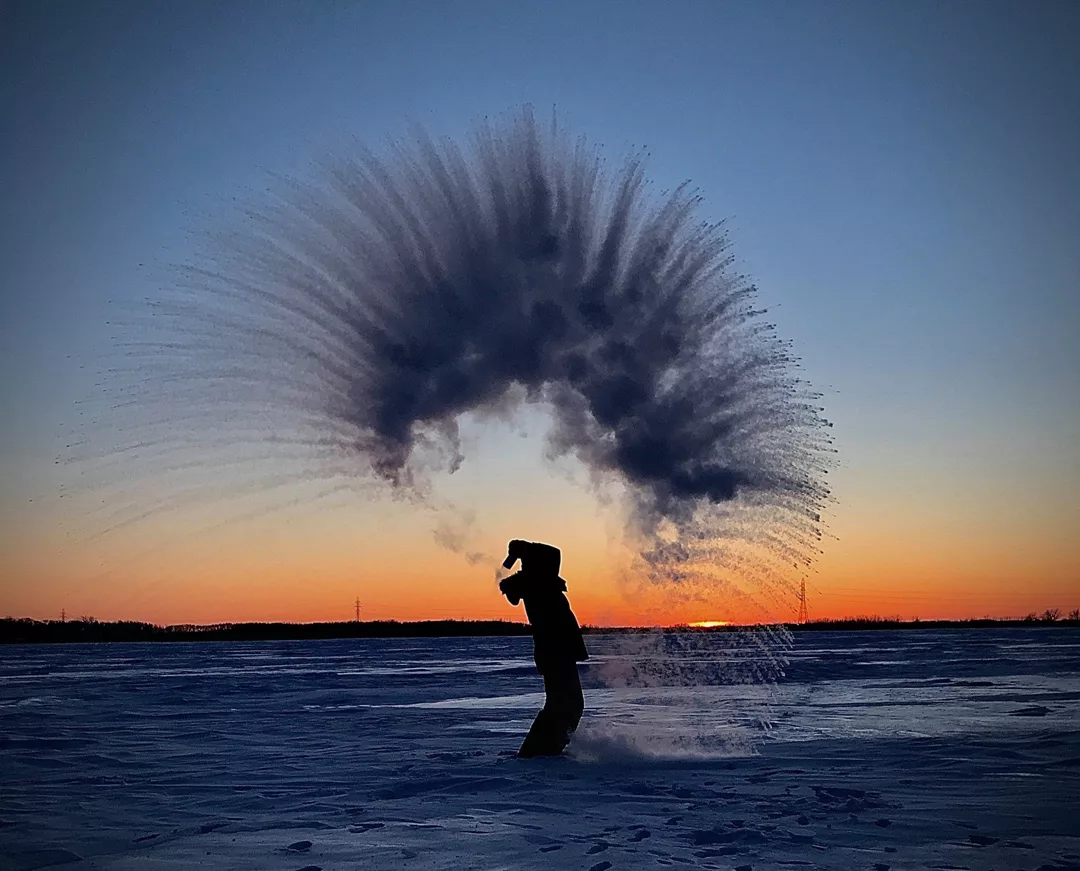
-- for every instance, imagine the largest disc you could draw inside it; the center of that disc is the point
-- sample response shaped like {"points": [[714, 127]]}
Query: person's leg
{"points": [[539, 740], [575, 698], [570, 702], [561, 714], [564, 703], [542, 737]]}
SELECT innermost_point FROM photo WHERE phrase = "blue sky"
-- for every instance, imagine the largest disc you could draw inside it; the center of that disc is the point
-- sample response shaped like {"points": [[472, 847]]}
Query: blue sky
{"points": [[901, 180]]}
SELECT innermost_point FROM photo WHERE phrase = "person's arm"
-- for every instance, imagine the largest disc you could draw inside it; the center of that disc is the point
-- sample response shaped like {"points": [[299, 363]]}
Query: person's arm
{"points": [[513, 552], [513, 588]]}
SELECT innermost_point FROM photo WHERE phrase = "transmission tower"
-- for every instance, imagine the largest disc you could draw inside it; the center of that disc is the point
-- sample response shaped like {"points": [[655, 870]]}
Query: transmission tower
{"points": [[357, 609], [63, 615], [804, 616]]}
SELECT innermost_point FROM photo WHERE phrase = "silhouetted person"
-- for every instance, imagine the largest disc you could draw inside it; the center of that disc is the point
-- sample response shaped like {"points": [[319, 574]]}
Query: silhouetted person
{"points": [[557, 643]]}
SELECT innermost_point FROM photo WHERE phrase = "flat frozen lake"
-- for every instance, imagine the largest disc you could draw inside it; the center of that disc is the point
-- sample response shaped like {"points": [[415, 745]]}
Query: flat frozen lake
{"points": [[886, 750]]}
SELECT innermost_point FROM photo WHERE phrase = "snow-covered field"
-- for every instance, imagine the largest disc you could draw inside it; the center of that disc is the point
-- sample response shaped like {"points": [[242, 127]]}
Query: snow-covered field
{"points": [[888, 750]]}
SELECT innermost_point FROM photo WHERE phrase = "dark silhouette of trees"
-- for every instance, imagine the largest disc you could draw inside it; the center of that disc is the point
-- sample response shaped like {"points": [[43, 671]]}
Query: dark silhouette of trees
{"points": [[27, 631], [24, 630]]}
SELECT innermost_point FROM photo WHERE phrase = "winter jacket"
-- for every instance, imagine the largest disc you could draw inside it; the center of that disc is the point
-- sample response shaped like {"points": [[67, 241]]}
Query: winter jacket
{"points": [[557, 637]]}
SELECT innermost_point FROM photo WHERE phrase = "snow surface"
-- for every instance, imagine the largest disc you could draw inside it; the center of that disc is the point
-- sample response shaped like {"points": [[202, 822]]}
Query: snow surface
{"points": [[886, 750]]}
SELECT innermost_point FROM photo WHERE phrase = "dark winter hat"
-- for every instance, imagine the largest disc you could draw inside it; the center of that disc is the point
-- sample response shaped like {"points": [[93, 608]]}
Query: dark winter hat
{"points": [[535, 557]]}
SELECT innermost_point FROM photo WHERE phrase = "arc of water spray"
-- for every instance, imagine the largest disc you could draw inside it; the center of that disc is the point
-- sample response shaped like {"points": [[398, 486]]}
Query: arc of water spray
{"points": [[357, 314]]}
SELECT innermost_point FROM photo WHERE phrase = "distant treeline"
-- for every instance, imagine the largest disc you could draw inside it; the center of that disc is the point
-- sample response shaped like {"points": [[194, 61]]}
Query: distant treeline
{"points": [[1049, 618], [27, 631]]}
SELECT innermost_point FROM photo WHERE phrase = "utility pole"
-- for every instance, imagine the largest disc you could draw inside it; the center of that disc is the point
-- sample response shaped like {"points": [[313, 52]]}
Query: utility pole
{"points": [[804, 616], [357, 609]]}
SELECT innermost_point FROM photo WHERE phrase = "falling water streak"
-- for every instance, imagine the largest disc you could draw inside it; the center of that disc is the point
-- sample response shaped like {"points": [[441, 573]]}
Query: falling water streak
{"points": [[341, 328]]}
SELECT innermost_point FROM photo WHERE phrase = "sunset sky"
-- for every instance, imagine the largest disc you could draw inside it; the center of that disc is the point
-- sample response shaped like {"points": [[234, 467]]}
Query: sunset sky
{"points": [[900, 180]]}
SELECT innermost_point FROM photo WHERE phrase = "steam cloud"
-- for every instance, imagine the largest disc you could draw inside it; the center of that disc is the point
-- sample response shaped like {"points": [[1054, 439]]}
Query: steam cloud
{"points": [[352, 318]]}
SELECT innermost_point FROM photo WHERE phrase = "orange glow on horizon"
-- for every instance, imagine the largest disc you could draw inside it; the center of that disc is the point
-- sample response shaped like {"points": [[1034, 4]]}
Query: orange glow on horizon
{"points": [[305, 566], [308, 578]]}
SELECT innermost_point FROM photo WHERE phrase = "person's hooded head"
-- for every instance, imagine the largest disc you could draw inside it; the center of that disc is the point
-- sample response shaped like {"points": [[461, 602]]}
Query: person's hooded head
{"points": [[536, 557]]}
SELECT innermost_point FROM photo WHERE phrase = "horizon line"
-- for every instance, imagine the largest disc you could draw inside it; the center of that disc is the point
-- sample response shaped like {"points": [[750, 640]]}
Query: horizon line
{"points": [[1048, 616]]}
